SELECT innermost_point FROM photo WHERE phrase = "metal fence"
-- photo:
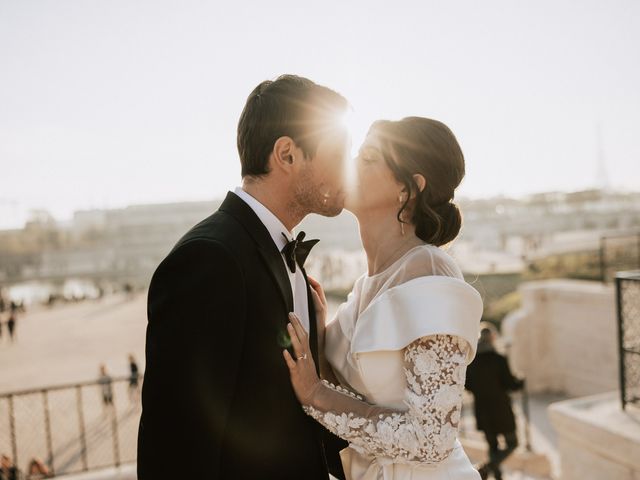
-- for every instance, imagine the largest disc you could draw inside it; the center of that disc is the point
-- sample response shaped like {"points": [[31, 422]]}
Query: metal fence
{"points": [[618, 253], [628, 313], [71, 428]]}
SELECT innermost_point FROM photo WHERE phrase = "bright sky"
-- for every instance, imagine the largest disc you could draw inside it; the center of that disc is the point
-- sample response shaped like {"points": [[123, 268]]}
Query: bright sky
{"points": [[108, 103]]}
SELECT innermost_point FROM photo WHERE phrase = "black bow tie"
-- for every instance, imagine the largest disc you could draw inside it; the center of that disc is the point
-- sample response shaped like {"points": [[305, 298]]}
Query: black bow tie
{"points": [[296, 251]]}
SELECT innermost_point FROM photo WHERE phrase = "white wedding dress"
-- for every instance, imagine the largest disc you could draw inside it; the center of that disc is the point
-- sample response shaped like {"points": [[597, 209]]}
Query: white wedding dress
{"points": [[399, 346]]}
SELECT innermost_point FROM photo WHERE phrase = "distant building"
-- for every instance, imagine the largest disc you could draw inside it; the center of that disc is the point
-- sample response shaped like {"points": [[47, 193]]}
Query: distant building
{"points": [[111, 245], [532, 225], [126, 245]]}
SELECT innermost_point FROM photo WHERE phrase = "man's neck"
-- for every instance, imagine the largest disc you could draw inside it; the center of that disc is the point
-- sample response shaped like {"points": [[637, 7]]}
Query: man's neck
{"points": [[277, 200]]}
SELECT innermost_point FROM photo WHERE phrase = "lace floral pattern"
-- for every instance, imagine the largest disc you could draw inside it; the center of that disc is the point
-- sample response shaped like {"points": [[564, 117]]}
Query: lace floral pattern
{"points": [[435, 368], [341, 389]]}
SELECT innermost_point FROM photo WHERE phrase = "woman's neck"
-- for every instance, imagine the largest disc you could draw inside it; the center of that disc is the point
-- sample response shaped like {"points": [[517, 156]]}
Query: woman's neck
{"points": [[383, 240]]}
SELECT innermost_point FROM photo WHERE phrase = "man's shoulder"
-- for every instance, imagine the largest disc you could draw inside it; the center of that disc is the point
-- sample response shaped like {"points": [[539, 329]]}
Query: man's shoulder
{"points": [[219, 227], [219, 237]]}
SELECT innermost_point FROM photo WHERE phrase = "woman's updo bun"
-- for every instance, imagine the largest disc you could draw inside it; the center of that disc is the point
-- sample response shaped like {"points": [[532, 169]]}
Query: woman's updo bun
{"points": [[437, 225], [416, 145]]}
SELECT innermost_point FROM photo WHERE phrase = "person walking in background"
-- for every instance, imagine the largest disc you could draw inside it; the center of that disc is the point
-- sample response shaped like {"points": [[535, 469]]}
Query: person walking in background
{"points": [[106, 384], [11, 325], [8, 471], [490, 380], [37, 469], [134, 377], [128, 290]]}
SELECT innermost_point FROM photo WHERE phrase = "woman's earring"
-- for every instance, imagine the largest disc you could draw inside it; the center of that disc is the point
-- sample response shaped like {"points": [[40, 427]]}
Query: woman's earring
{"points": [[401, 216]]}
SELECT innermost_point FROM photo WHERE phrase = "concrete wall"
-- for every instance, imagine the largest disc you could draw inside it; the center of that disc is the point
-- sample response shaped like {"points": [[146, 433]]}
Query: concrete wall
{"points": [[564, 338], [597, 439]]}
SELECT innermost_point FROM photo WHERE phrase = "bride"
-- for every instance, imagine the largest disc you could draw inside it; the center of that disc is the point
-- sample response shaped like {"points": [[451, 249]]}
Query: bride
{"points": [[395, 356]]}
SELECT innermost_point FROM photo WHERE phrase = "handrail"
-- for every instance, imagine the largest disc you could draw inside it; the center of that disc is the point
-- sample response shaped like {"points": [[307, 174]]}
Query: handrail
{"points": [[66, 426], [63, 386]]}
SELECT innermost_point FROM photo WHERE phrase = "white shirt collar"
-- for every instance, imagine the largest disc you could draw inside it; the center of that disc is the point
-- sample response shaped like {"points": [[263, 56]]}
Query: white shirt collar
{"points": [[269, 220]]}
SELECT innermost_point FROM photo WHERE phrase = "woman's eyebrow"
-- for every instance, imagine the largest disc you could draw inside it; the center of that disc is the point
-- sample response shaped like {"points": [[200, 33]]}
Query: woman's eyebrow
{"points": [[369, 147]]}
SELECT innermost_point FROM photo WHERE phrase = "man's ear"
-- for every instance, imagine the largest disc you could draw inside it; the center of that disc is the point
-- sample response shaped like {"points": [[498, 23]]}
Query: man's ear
{"points": [[284, 150]]}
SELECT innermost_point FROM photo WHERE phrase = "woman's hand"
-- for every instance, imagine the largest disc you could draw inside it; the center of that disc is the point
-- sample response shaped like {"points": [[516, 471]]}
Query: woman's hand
{"points": [[302, 370], [319, 299], [320, 304]]}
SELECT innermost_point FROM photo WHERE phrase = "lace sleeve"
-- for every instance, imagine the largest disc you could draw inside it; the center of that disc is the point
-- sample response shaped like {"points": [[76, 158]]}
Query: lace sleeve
{"points": [[435, 369]]}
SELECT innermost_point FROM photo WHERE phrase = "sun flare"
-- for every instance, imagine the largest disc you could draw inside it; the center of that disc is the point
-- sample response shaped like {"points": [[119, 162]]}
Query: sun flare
{"points": [[357, 126]]}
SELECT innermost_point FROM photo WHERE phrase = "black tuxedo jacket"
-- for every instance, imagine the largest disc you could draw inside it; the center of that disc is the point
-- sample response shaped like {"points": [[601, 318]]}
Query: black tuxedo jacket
{"points": [[217, 402]]}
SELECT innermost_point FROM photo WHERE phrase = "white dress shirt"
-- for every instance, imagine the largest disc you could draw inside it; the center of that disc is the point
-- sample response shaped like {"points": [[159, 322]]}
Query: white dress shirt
{"points": [[276, 229]]}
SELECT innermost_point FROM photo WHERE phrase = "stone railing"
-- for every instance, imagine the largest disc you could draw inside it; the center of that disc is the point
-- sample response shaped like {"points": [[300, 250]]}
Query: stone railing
{"points": [[564, 338]]}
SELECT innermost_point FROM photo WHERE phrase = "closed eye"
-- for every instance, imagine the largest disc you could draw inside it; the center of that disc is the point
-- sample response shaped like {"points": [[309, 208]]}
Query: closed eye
{"points": [[367, 157]]}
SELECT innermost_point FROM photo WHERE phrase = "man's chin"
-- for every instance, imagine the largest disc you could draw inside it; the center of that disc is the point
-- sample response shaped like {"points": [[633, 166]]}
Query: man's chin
{"points": [[330, 211], [333, 213]]}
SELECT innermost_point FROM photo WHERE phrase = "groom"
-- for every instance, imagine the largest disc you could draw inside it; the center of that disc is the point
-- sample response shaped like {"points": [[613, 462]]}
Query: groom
{"points": [[217, 399]]}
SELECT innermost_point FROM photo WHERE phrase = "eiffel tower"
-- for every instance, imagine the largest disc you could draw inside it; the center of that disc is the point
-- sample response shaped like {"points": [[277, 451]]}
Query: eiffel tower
{"points": [[602, 176]]}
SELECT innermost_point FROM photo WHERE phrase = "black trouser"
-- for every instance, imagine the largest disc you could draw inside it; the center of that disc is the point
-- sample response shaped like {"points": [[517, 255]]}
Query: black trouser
{"points": [[497, 455]]}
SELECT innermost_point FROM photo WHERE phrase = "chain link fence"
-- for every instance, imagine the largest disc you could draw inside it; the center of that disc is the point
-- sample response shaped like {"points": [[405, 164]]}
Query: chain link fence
{"points": [[618, 253], [628, 307], [71, 428]]}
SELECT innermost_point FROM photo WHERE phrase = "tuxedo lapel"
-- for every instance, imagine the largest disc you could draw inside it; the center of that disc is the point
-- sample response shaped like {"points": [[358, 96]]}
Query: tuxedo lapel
{"points": [[276, 268], [236, 207]]}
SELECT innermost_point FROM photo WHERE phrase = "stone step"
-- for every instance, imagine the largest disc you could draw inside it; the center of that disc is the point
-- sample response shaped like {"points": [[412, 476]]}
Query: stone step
{"points": [[521, 464], [520, 468], [124, 472]]}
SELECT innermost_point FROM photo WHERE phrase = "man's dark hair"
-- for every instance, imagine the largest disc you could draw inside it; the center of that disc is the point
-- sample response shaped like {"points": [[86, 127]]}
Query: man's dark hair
{"points": [[288, 106]]}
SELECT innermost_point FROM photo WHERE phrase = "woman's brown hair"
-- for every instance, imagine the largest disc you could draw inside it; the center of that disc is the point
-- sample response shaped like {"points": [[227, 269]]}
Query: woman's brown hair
{"points": [[416, 145]]}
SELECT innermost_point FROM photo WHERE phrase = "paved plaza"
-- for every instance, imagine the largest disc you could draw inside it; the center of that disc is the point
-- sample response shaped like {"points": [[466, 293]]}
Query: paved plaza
{"points": [[66, 344]]}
